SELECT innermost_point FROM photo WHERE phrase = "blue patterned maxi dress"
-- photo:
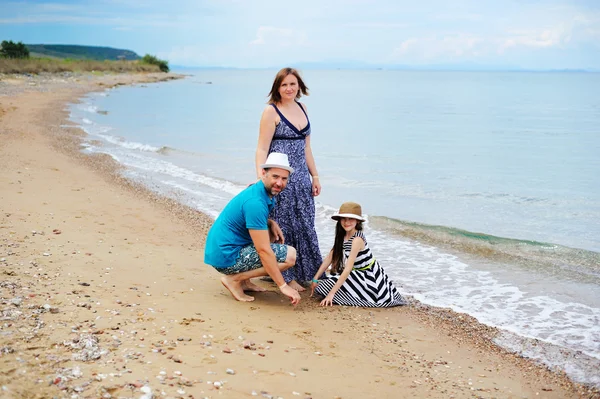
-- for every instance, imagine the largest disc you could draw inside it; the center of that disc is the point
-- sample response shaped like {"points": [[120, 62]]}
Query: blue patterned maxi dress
{"points": [[295, 210]]}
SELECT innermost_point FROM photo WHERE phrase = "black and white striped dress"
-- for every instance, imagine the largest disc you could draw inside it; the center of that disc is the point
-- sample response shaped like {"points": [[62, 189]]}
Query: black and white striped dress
{"points": [[367, 284]]}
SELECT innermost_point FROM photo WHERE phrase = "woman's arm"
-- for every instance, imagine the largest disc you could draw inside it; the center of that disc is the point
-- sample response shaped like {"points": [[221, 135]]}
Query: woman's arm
{"points": [[268, 122], [310, 162], [312, 168], [357, 245]]}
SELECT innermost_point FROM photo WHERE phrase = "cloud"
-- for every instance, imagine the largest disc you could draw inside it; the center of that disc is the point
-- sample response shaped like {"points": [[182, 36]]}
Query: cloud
{"points": [[46, 19], [151, 21], [557, 36], [375, 25], [253, 34], [185, 55], [594, 33], [458, 17], [578, 28], [98, 13], [279, 37], [57, 7], [453, 45], [588, 27]]}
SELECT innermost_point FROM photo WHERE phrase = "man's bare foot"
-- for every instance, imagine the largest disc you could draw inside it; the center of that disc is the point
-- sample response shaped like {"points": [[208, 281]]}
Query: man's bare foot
{"points": [[248, 285], [235, 287], [296, 286]]}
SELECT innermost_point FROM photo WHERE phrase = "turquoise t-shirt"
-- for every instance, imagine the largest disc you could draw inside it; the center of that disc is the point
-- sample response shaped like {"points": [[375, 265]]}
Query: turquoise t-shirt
{"points": [[247, 210]]}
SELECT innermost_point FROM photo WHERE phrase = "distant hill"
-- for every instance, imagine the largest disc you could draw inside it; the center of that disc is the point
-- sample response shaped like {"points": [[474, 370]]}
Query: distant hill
{"points": [[81, 52]]}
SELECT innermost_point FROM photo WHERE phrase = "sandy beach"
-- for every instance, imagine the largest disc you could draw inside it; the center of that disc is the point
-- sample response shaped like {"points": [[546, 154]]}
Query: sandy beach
{"points": [[104, 294]]}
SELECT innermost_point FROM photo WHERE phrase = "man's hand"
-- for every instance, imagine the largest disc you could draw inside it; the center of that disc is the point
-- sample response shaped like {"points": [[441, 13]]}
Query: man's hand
{"points": [[291, 293], [275, 233]]}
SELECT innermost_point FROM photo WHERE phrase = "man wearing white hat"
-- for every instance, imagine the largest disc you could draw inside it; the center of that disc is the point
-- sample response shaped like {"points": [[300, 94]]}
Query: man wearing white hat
{"points": [[239, 244]]}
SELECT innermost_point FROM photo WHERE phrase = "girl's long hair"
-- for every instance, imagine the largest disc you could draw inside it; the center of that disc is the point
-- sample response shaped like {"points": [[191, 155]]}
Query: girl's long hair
{"points": [[337, 257]]}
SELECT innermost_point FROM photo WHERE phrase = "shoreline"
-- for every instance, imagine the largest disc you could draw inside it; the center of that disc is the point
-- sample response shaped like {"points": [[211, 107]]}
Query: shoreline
{"points": [[422, 352]]}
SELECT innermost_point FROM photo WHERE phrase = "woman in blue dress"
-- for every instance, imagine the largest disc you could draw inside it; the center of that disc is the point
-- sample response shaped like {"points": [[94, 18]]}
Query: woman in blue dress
{"points": [[285, 128]]}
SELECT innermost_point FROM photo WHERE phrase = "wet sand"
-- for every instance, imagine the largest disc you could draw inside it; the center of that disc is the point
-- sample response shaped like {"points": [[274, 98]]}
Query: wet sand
{"points": [[103, 294]]}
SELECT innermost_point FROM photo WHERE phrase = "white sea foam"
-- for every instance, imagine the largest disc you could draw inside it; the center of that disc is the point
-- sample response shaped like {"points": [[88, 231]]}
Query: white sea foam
{"points": [[153, 165], [96, 150], [443, 280], [100, 131], [141, 162], [94, 129], [131, 145], [209, 203], [86, 107], [578, 366]]}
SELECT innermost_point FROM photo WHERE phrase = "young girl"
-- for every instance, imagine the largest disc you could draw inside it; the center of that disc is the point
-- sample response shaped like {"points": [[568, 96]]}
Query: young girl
{"points": [[361, 280]]}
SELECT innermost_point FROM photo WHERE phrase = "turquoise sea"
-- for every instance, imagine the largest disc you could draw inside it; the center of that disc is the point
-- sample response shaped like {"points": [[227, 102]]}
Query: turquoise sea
{"points": [[482, 189]]}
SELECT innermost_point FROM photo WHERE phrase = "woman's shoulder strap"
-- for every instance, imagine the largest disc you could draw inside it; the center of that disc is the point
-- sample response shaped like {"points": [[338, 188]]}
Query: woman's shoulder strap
{"points": [[275, 107], [302, 108], [272, 107]]}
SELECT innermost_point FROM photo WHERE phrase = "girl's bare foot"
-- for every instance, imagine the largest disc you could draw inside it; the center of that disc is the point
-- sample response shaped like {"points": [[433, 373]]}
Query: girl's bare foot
{"points": [[296, 286], [248, 285], [235, 287]]}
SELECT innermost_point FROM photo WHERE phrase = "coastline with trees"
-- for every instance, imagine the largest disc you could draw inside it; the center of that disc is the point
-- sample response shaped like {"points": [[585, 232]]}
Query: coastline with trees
{"points": [[17, 57]]}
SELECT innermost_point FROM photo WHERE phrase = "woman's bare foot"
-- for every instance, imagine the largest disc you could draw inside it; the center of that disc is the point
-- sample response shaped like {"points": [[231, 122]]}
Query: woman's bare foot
{"points": [[235, 287], [296, 286], [248, 285]]}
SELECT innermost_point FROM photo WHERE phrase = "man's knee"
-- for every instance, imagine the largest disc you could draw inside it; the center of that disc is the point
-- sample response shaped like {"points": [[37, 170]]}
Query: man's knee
{"points": [[290, 259]]}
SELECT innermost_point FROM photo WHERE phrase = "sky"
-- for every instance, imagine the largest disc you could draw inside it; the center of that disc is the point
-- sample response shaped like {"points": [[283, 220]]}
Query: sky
{"points": [[499, 34]]}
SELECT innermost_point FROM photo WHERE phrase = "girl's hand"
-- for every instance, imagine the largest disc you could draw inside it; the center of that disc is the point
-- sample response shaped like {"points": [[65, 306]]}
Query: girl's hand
{"points": [[316, 187], [328, 301], [313, 285]]}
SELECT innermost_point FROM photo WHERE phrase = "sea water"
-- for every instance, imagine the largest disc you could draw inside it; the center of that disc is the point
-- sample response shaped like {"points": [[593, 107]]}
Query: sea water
{"points": [[482, 189]]}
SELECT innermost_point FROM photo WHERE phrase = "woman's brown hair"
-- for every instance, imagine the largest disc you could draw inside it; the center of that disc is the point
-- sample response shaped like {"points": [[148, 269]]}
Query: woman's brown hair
{"points": [[274, 96]]}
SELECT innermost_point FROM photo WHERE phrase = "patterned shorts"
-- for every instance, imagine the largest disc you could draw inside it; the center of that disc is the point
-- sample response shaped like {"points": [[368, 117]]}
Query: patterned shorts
{"points": [[248, 259]]}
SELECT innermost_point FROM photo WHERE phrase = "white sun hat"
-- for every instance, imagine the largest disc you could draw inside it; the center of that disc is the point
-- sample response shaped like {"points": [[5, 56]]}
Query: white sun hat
{"points": [[277, 160]]}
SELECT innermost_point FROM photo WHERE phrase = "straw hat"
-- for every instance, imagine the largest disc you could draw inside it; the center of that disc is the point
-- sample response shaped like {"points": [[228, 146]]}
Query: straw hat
{"points": [[349, 210], [277, 160]]}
